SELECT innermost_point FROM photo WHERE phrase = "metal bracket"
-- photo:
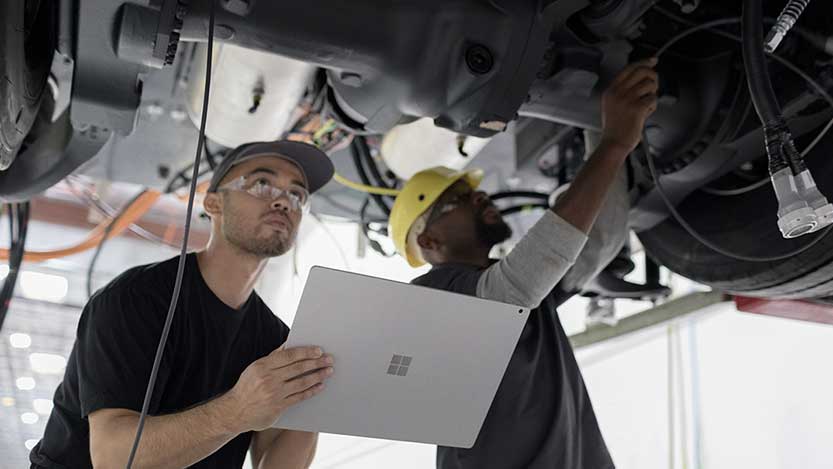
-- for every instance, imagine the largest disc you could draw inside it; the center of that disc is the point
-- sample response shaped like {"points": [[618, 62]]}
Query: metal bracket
{"points": [[658, 315]]}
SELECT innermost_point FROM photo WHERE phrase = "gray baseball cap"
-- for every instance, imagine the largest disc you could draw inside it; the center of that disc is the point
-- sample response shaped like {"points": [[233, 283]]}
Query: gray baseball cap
{"points": [[314, 164]]}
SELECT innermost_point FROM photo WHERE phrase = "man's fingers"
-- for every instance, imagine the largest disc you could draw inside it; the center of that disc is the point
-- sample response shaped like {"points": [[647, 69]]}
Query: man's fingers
{"points": [[645, 87], [280, 358], [302, 367], [648, 103], [305, 382], [637, 77], [632, 68], [303, 395]]}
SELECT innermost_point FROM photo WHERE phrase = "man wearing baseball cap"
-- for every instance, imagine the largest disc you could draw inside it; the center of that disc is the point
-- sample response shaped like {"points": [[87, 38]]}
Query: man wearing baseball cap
{"points": [[225, 377]]}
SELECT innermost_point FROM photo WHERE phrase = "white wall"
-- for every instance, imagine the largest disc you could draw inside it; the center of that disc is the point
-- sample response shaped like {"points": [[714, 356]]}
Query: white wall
{"points": [[762, 386]]}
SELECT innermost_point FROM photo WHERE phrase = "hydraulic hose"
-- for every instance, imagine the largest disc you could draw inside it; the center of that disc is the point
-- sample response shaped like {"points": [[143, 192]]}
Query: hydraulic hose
{"points": [[800, 205], [754, 60]]}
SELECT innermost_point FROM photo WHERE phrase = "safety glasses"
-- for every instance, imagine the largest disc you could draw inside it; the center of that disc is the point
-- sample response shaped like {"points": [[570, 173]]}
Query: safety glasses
{"points": [[454, 196], [262, 188]]}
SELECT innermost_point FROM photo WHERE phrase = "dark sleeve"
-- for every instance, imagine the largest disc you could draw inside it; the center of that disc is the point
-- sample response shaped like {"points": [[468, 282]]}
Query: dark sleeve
{"points": [[118, 334], [273, 334], [457, 279]]}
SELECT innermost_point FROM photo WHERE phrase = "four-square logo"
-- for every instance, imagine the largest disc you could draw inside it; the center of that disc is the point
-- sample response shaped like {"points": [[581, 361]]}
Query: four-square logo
{"points": [[399, 365]]}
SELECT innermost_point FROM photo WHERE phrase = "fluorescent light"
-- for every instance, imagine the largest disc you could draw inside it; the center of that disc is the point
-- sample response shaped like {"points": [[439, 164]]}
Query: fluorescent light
{"points": [[47, 363], [44, 287], [20, 340], [42, 406], [30, 444], [25, 383], [7, 401], [29, 418]]}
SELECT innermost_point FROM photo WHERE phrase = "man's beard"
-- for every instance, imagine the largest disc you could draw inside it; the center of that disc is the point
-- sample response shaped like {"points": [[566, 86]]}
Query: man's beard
{"points": [[276, 244], [491, 234]]}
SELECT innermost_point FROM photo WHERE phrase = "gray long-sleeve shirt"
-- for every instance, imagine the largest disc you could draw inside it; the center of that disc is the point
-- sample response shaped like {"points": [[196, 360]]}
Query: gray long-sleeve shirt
{"points": [[541, 416], [554, 251]]}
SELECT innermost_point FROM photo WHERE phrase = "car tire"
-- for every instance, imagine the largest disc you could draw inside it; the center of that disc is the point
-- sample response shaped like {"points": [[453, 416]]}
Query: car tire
{"points": [[746, 224], [28, 35]]}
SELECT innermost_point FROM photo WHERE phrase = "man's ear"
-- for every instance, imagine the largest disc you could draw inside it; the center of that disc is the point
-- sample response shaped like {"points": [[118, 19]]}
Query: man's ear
{"points": [[213, 204], [427, 242]]}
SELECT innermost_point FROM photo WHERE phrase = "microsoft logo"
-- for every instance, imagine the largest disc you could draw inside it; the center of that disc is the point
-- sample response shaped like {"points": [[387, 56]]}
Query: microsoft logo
{"points": [[399, 365]]}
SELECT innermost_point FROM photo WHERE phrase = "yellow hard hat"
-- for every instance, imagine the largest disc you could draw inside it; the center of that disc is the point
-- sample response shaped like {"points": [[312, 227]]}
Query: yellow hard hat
{"points": [[417, 196]]}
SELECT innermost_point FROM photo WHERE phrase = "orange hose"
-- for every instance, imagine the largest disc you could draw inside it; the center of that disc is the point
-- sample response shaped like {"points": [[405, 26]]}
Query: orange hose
{"points": [[202, 188], [96, 235]]}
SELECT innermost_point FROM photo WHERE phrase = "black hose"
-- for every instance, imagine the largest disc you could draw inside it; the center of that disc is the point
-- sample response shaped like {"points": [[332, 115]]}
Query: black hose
{"points": [[754, 60], [379, 181], [814, 39], [18, 227], [523, 208], [356, 152], [519, 194], [779, 142], [166, 328], [365, 225]]}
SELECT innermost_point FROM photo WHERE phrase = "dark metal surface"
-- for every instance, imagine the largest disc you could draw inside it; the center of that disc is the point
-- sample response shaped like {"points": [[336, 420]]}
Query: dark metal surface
{"points": [[57, 152], [411, 58]]}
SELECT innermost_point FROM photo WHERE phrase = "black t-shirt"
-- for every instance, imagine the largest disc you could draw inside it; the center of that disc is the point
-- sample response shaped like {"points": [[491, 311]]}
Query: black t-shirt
{"points": [[541, 417], [209, 346]]}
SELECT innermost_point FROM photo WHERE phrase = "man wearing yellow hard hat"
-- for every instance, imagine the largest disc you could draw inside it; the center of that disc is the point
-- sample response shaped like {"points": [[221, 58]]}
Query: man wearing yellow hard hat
{"points": [[541, 416]]}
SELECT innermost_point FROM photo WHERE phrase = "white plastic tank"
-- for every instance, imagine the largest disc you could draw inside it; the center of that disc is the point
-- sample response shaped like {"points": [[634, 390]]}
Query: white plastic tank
{"points": [[253, 93], [410, 148]]}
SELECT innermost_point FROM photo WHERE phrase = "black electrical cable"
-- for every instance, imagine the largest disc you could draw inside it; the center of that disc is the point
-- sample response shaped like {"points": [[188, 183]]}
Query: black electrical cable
{"points": [[183, 253], [737, 191], [212, 158], [378, 180], [519, 194], [107, 230], [18, 227], [761, 91], [652, 167], [710, 27], [754, 61], [815, 39], [694, 234], [181, 179], [356, 153], [522, 208], [365, 225]]}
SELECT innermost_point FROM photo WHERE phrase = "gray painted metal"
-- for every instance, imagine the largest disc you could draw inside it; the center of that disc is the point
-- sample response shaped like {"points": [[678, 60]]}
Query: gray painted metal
{"points": [[666, 312]]}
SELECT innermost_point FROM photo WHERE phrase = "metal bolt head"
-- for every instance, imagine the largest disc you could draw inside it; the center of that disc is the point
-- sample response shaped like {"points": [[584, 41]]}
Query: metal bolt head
{"points": [[351, 79], [224, 32], [479, 59], [497, 126]]}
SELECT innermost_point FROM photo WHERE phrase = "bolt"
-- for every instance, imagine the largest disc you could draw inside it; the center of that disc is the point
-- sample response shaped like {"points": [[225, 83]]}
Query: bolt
{"points": [[497, 126], [163, 171], [479, 59], [224, 32], [351, 79]]}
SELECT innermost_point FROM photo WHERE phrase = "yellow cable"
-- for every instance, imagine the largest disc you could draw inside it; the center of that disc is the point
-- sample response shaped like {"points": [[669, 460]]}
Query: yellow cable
{"points": [[365, 188]]}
